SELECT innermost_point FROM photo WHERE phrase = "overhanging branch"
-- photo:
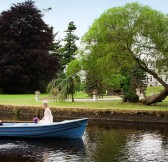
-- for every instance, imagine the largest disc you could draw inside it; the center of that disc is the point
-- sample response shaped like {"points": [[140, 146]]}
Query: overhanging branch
{"points": [[144, 67]]}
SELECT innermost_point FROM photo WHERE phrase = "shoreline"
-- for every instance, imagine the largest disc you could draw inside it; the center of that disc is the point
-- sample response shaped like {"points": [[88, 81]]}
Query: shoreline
{"points": [[129, 116]]}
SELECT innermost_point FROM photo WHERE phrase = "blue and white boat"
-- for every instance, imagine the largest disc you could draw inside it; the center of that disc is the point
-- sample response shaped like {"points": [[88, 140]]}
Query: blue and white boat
{"points": [[65, 129]]}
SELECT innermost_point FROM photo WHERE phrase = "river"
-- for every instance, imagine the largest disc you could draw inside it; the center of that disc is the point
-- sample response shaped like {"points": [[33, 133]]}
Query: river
{"points": [[102, 142]]}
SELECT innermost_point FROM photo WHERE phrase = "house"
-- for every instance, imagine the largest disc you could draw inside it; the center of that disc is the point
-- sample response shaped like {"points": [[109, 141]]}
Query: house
{"points": [[151, 81]]}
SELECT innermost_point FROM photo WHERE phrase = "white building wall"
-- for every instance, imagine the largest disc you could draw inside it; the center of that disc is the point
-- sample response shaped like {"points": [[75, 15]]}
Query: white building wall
{"points": [[151, 81]]}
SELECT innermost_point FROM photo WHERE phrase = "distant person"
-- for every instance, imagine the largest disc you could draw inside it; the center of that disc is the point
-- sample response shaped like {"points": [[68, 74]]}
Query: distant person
{"points": [[35, 119], [48, 118]]}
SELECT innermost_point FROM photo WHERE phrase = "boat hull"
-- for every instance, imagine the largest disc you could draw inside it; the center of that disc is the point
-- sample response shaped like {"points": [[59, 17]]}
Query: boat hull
{"points": [[65, 129]]}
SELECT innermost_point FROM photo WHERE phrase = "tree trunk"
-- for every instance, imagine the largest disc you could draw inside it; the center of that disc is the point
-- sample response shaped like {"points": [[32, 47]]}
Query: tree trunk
{"points": [[72, 97], [155, 98]]}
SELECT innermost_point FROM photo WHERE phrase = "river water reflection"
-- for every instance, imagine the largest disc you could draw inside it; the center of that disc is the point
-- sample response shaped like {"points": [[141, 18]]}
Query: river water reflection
{"points": [[102, 142]]}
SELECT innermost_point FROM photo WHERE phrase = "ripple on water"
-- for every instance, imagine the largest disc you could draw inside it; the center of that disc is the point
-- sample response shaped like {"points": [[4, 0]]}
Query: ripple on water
{"points": [[39, 150], [146, 147]]}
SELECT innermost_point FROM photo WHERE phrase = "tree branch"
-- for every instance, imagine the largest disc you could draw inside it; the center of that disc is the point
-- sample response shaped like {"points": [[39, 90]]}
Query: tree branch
{"points": [[144, 67]]}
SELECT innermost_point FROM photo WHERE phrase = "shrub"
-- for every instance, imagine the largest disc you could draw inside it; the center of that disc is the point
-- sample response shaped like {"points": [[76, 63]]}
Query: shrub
{"points": [[131, 97]]}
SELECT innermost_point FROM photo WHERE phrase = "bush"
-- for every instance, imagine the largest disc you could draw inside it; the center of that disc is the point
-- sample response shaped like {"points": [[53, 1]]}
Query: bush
{"points": [[131, 97]]}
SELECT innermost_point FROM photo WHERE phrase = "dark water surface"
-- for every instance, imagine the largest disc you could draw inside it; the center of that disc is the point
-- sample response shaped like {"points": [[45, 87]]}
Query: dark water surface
{"points": [[102, 142]]}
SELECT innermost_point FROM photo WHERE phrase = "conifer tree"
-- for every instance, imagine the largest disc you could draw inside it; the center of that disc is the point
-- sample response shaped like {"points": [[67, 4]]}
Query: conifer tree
{"points": [[70, 48]]}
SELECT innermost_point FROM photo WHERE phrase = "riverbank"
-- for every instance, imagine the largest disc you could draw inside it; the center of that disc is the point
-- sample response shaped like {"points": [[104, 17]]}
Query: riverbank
{"points": [[145, 116]]}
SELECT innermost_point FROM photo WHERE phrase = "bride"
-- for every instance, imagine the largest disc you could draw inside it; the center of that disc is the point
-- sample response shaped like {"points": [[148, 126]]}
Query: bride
{"points": [[48, 118]]}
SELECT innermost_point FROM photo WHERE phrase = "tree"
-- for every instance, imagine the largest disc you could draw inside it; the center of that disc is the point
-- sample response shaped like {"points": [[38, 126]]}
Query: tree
{"points": [[93, 83], [134, 79], [67, 80], [68, 85], [100, 75], [70, 48], [25, 42], [127, 37], [139, 77], [56, 47]]}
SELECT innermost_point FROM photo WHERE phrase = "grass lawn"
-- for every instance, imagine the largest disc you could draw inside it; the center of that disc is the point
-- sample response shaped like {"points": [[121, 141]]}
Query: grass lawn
{"points": [[153, 90], [20, 99], [81, 94], [29, 99]]}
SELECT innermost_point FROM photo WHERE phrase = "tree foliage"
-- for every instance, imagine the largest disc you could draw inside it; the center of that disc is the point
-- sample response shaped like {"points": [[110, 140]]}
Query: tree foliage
{"points": [[66, 85], [73, 68], [25, 42], [100, 75], [56, 47], [70, 48], [127, 37]]}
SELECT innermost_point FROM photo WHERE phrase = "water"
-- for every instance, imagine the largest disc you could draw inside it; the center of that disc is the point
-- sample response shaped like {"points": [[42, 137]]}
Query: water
{"points": [[102, 142]]}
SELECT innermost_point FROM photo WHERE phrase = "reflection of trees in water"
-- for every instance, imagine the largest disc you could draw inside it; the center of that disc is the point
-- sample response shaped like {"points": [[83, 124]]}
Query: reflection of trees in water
{"points": [[126, 142], [41, 150], [105, 145], [108, 125]]}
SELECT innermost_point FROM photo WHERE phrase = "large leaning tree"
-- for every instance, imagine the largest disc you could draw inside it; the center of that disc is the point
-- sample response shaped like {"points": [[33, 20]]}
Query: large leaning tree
{"points": [[25, 42], [129, 37]]}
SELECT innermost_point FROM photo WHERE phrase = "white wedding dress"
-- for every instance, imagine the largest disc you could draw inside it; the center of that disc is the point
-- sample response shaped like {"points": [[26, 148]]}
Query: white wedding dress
{"points": [[48, 118]]}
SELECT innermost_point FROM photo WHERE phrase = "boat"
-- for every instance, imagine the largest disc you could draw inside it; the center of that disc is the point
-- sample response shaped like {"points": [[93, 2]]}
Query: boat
{"points": [[64, 129]]}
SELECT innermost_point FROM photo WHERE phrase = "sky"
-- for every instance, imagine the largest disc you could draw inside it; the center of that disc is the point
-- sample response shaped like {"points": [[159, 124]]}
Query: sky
{"points": [[82, 12]]}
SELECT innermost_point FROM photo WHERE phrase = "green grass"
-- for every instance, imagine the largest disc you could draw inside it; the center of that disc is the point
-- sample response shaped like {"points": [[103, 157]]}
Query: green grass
{"points": [[112, 105], [29, 99], [153, 90], [81, 94], [20, 99]]}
